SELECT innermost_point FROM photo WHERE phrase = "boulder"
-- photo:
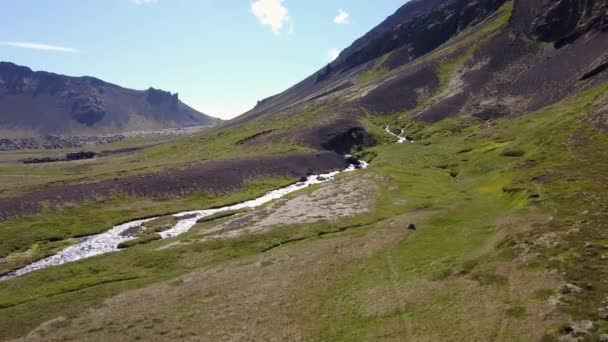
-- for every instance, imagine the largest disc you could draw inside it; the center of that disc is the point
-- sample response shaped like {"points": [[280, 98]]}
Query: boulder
{"points": [[555, 301], [353, 161], [80, 155], [570, 288], [574, 331]]}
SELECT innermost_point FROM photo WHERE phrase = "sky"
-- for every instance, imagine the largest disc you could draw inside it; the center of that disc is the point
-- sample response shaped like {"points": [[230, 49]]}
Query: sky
{"points": [[221, 56]]}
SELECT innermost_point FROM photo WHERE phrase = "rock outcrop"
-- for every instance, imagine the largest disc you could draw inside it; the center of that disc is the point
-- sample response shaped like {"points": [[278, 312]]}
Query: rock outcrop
{"points": [[415, 29], [564, 21]]}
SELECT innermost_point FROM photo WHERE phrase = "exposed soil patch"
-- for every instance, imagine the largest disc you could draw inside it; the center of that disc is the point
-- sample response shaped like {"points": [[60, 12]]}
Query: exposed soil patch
{"points": [[334, 201], [221, 176]]}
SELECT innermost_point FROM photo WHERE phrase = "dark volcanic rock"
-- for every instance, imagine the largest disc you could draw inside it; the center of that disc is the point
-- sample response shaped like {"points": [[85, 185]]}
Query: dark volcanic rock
{"points": [[157, 97], [353, 161], [418, 27], [344, 142], [428, 61], [564, 21]]}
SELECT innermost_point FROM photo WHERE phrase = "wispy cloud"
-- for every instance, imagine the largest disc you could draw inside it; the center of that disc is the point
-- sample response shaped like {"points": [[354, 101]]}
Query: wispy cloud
{"points": [[143, 2], [272, 13], [342, 17], [332, 54], [38, 46]]}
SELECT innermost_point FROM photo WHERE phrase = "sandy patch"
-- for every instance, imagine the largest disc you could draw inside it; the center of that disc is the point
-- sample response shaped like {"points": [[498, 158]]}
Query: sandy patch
{"points": [[337, 200], [333, 201]]}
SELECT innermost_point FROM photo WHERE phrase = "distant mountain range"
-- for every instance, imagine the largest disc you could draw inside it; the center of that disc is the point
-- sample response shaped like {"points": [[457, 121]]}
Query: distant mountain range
{"points": [[38, 103]]}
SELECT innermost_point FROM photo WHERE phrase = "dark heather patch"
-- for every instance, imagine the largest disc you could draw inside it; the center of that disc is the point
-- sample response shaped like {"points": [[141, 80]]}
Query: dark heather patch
{"points": [[221, 176], [253, 137]]}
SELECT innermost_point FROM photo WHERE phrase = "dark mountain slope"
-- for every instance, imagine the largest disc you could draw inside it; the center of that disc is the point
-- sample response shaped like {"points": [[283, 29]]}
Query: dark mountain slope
{"points": [[435, 59], [47, 103]]}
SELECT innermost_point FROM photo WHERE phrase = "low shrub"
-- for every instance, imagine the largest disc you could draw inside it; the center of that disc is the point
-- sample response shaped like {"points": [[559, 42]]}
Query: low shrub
{"points": [[513, 153]]}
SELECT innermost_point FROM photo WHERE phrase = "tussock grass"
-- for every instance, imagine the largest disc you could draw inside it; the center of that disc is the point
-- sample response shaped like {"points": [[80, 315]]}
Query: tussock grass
{"points": [[161, 224], [513, 153], [219, 216], [141, 240]]}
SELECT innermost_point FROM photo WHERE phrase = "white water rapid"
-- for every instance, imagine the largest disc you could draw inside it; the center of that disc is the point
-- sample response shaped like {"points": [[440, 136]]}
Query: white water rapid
{"points": [[108, 242], [400, 139]]}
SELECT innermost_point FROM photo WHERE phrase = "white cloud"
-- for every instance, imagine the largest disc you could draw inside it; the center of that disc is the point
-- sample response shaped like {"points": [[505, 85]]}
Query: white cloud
{"points": [[272, 13], [332, 54], [143, 2], [342, 17], [38, 46]]}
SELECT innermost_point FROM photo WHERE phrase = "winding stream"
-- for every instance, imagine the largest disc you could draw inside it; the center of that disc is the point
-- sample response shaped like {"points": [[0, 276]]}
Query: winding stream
{"points": [[108, 242], [400, 139]]}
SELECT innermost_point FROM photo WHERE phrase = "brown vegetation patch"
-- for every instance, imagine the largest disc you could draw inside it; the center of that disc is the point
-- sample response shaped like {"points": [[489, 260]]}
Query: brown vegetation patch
{"points": [[333, 201], [211, 177], [481, 312]]}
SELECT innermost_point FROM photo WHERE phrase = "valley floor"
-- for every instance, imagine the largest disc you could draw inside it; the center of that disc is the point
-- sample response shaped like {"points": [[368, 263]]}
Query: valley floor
{"points": [[509, 245]]}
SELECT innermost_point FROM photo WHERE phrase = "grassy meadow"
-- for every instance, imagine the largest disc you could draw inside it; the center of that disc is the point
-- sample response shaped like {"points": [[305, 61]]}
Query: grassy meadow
{"points": [[484, 198]]}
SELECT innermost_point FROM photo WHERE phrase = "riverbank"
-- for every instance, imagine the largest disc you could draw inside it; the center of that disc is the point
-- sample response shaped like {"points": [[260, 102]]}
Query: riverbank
{"points": [[109, 241]]}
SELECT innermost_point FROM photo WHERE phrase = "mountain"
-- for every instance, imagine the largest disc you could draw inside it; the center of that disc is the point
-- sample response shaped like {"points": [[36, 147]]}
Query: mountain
{"points": [[39, 103], [486, 221], [435, 59]]}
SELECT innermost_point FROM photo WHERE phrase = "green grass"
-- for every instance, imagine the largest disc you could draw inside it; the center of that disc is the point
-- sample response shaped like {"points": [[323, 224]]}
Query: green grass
{"points": [[219, 216], [217, 144], [20, 234], [451, 241], [149, 231], [447, 240], [376, 71], [161, 224], [141, 240], [513, 153], [36, 252]]}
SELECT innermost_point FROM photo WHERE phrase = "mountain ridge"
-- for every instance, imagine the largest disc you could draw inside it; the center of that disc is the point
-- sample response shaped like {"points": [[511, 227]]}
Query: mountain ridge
{"points": [[511, 68], [42, 102]]}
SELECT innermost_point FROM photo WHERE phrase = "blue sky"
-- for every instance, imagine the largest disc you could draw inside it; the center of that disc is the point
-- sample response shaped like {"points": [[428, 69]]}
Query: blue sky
{"points": [[221, 56]]}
